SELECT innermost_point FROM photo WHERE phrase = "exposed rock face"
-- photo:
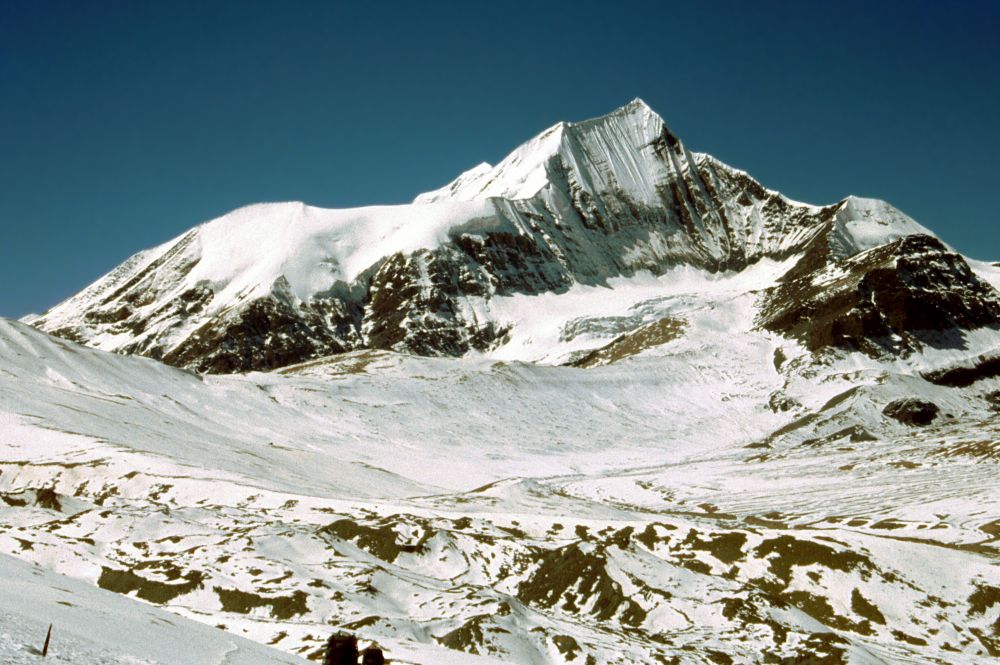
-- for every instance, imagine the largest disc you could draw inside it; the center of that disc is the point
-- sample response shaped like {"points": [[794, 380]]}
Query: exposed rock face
{"points": [[341, 649], [372, 656], [418, 303], [892, 299], [984, 367], [654, 334], [277, 284], [266, 333], [912, 411]]}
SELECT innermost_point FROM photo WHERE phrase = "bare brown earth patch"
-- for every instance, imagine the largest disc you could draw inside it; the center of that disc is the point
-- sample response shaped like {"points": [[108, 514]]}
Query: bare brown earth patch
{"points": [[865, 608], [630, 344], [154, 591], [471, 636], [574, 579], [380, 541], [790, 552], [243, 602]]}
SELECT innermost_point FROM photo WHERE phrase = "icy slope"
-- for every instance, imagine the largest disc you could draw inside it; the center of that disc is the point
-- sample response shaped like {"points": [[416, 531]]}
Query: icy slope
{"points": [[275, 284]]}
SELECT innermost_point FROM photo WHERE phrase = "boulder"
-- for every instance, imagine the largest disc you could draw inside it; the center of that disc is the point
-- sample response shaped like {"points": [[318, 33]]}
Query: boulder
{"points": [[372, 656], [912, 411], [341, 649]]}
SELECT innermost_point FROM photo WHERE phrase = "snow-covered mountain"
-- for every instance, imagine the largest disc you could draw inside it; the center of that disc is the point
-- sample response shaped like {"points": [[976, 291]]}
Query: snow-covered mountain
{"points": [[271, 285], [607, 402]]}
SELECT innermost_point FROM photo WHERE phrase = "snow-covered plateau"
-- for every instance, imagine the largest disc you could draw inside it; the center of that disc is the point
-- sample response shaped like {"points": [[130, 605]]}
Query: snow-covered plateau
{"points": [[608, 401]]}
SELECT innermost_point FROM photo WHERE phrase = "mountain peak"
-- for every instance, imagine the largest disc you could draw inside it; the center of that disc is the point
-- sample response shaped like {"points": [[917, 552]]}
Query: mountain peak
{"points": [[867, 223], [636, 111], [638, 102], [637, 107], [616, 140]]}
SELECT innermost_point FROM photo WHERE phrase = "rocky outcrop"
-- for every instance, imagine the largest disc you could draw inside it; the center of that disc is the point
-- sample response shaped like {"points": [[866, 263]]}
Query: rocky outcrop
{"points": [[651, 335], [372, 656], [912, 411], [893, 299], [983, 367], [265, 334], [341, 649]]}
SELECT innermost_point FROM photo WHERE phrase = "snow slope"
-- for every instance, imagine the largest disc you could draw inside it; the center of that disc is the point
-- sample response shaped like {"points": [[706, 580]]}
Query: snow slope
{"points": [[94, 626]]}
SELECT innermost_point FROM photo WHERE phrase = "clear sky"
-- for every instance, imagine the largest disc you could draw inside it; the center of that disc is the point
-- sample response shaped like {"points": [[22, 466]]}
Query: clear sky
{"points": [[122, 124]]}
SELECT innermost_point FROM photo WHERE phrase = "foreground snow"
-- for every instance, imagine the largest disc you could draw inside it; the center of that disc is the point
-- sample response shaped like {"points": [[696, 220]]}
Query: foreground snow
{"points": [[698, 495], [98, 627]]}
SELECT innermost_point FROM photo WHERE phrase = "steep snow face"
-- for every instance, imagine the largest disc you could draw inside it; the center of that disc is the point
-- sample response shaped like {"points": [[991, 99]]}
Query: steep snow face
{"points": [[312, 249], [614, 151], [989, 272], [625, 181], [581, 204]]}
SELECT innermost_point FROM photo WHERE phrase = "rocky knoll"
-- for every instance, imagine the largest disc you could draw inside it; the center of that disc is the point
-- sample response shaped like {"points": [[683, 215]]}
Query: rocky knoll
{"points": [[893, 299]]}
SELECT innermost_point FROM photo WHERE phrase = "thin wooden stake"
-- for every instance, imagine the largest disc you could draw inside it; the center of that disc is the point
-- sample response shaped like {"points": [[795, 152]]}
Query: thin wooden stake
{"points": [[48, 636]]}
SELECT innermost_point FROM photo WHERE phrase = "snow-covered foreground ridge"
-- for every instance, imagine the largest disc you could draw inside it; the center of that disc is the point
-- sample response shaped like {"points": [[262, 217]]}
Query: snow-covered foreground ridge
{"points": [[691, 495], [607, 402], [581, 204], [92, 627]]}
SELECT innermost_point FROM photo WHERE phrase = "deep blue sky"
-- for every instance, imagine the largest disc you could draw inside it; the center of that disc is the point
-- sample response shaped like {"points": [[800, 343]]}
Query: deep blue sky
{"points": [[122, 124]]}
